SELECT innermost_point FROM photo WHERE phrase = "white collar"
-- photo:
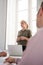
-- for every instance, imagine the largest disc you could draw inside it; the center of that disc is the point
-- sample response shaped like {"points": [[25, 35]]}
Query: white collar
{"points": [[39, 29]]}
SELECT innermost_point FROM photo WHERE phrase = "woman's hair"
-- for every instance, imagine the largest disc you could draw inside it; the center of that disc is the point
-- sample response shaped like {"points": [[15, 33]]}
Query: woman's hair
{"points": [[23, 21]]}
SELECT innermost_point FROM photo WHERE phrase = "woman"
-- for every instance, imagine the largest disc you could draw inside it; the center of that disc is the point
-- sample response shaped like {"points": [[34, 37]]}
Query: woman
{"points": [[23, 35]]}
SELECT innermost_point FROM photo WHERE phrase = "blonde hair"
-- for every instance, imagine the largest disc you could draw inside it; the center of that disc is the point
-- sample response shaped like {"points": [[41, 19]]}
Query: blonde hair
{"points": [[23, 21]]}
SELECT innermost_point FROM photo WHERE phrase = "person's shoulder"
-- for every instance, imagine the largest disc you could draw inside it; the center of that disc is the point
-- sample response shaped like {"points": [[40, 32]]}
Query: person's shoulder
{"points": [[38, 35], [28, 30], [19, 31]]}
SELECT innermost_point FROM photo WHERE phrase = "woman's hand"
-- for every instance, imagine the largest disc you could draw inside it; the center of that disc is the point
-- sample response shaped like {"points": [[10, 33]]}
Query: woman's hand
{"points": [[24, 38]]}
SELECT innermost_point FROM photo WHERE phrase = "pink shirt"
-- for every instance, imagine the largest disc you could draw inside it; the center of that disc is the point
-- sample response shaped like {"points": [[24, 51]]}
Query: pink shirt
{"points": [[33, 55]]}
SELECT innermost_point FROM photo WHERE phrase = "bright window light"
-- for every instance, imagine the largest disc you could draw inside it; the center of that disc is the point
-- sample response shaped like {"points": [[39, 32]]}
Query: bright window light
{"points": [[22, 12], [16, 14], [21, 16], [33, 16], [11, 16], [22, 5]]}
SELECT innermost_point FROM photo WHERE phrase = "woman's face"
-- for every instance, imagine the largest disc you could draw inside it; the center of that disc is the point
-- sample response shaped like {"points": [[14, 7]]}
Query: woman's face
{"points": [[23, 25]]}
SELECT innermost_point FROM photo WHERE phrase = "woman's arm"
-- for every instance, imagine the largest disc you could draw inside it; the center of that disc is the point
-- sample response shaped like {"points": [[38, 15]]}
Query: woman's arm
{"points": [[18, 39], [19, 36], [24, 38]]}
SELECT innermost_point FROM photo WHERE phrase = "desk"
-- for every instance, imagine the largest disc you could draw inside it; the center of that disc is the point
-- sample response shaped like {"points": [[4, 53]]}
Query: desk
{"points": [[2, 59]]}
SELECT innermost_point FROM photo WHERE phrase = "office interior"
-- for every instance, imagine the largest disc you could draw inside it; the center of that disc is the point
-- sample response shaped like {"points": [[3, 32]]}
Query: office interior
{"points": [[11, 13]]}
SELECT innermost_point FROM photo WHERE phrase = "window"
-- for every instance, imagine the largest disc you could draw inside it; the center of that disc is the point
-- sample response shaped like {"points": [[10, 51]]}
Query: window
{"points": [[33, 14], [18, 10], [21, 12], [11, 19], [27, 10]]}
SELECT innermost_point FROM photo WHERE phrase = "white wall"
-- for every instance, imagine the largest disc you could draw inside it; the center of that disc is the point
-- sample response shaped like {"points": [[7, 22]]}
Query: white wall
{"points": [[3, 6]]}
